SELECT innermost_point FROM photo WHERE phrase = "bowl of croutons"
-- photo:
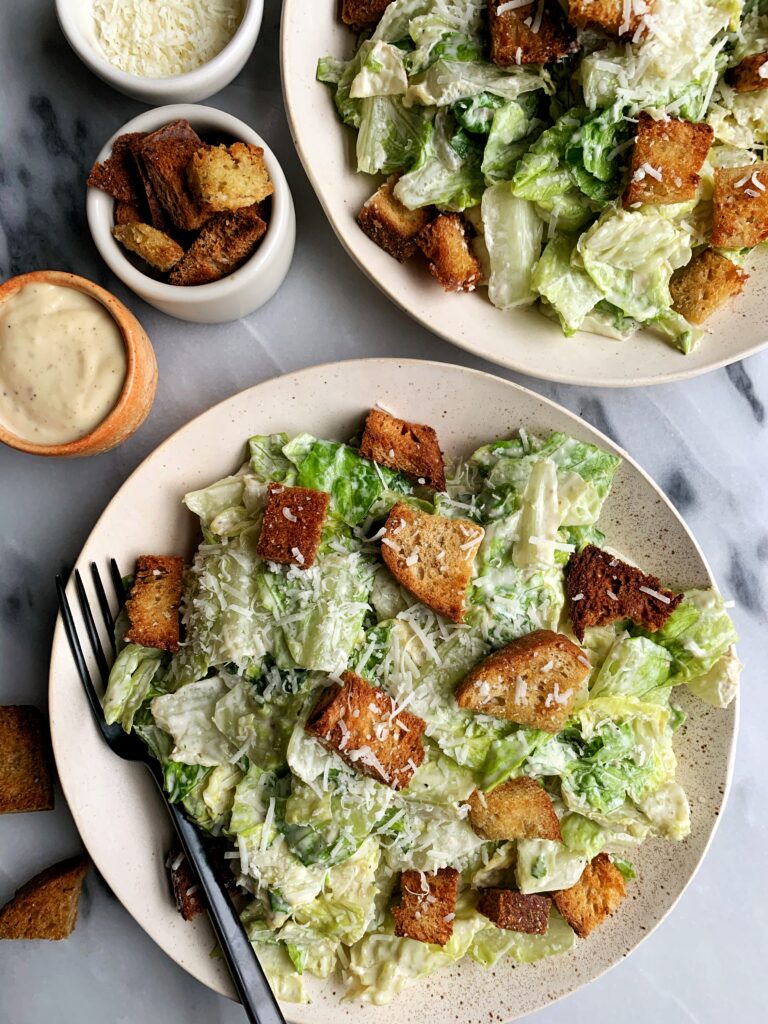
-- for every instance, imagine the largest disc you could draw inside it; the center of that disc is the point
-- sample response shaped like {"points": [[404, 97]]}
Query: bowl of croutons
{"points": [[189, 207]]}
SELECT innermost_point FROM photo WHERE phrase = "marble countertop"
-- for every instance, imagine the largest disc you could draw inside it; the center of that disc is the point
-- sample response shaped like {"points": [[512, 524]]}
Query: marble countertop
{"points": [[704, 441]]}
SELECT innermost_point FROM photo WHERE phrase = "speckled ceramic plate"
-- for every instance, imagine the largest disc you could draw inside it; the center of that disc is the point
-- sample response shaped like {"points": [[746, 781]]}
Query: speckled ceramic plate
{"points": [[115, 805], [522, 340]]}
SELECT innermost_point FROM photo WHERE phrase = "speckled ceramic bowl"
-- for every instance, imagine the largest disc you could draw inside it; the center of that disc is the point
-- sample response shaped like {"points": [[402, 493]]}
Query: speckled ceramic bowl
{"points": [[140, 383], [467, 409]]}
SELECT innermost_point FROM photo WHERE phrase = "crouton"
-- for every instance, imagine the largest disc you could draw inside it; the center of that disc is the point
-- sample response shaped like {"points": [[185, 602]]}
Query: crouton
{"points": [[612, 16], [666, 161], [517, 809], [602, 589], [741, 206], [364, 726], [186, 889], [533, 681], [229, 178], [165, 155], [427, 905], [597, 894], [46, 907], [411, 448], [531, 34], [153, 605], [358, 13], [224, 244], [127, 213], [444, 242], [431, 556], [392, 226], [158, 218], [515, 912], [118, 174], [751, 74], [292, 526], [704, 285], [155, 247], [25, 773]]}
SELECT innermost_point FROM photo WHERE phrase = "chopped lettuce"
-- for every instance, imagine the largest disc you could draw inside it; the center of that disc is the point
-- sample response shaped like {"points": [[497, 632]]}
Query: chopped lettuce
{"points": [[512, 231], [319, 846], [130, 682]]}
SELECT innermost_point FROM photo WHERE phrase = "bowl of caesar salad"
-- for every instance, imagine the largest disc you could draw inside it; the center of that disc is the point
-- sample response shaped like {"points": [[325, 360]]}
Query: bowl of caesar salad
{"points": [[593, 174], [441, 694]]}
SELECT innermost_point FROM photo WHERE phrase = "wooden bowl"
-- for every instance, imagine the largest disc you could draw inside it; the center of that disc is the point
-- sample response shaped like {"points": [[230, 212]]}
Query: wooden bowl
{"points": [[139, 387]]}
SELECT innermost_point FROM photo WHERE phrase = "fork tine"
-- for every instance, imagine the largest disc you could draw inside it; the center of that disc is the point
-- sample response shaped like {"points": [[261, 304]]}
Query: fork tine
{"points": [[103, 600], [77, 653], [90, 628], [117, 583]]}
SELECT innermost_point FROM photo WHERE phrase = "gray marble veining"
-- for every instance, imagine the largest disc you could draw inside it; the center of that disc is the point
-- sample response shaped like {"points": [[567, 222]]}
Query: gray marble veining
{"points": [[704, 441]]}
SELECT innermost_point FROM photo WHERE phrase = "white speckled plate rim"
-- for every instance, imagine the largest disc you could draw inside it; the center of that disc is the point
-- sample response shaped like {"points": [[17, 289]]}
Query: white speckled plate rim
{"points": [[115, 806], [519, 339]]}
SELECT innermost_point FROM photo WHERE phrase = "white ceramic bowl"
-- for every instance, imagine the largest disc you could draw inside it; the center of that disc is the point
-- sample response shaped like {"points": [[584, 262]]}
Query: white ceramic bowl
{"points": [[244, 290], [77, 24]]}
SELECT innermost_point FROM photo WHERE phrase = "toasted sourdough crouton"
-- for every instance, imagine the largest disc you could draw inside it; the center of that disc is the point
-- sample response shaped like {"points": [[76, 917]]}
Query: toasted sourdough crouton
{"points": [[292, 526], [751, 74], [427, 905], [363, 725], [155, 247], [533, 681], [411, 448], [118, 174], [517, 809], [390, 224], [596, 895], [515, 912], [225, 242], [229, 177], [741, 206], [165, 155], [187, 893], [614, 17], [530, 34], [127, 213], [666, 161], [157, 215], [358, 13], [602, 589], [431, 556], [444, 242], [25, 774], [153, 605], [704, 285], [46, 907]]}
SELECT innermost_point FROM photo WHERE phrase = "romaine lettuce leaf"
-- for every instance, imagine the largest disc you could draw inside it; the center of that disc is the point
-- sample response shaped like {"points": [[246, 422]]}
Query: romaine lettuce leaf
{"points": [[631, 255], [698, 633], [513, 232], [130, 681]]}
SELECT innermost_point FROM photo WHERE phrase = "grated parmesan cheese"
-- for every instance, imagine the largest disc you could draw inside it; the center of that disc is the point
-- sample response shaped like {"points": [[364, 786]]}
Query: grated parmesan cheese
{"points": [[163, 38]]}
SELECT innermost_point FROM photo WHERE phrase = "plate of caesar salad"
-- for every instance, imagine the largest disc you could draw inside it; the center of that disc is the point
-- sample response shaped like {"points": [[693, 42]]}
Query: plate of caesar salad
{"points": [[439, 670], [575, 190]]}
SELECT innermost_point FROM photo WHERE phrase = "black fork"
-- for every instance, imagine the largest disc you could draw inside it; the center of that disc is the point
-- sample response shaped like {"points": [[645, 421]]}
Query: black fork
{"points": [[252, 986]]}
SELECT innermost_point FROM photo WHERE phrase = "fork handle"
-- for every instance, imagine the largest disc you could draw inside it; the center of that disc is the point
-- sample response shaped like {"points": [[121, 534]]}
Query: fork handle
{"points": [[257, 997]]}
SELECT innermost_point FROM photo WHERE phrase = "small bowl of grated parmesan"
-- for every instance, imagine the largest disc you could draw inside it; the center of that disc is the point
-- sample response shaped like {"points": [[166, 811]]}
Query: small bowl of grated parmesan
{"points": [[163, 51]]}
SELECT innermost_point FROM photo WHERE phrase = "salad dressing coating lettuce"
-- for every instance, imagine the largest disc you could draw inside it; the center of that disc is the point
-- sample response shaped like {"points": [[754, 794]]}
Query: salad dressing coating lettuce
{"points": [[544, 152], [319, 848]]}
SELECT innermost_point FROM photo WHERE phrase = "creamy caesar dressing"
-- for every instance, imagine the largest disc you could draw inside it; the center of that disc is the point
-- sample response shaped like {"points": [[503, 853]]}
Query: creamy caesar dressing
{"points": [[62, 363]]}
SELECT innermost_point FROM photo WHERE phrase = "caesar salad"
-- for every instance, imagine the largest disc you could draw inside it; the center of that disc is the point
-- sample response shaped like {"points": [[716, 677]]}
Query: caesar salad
{"points": [[601, 160], [427, 711]]}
